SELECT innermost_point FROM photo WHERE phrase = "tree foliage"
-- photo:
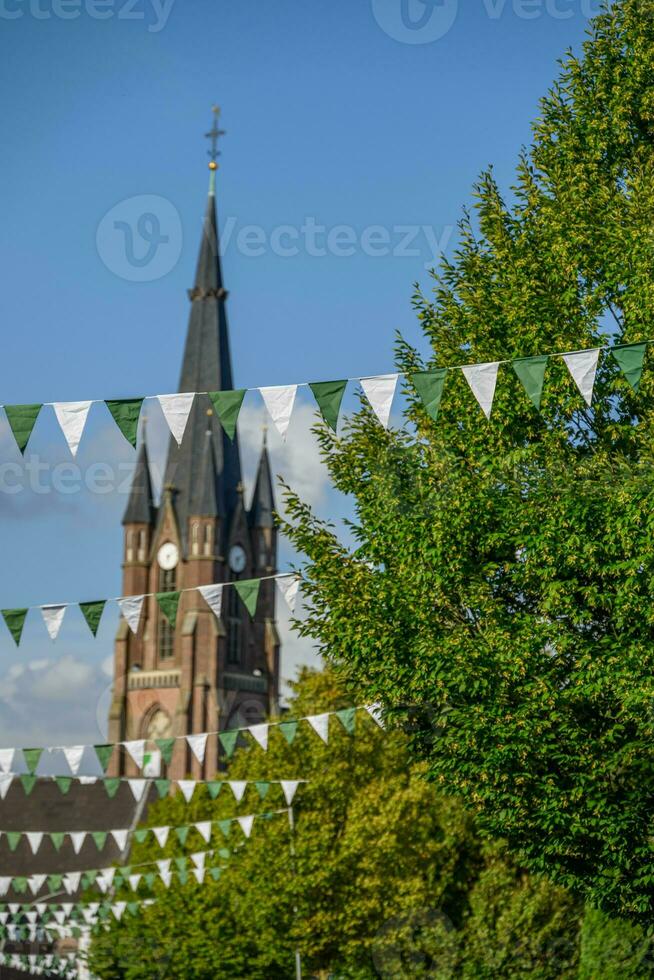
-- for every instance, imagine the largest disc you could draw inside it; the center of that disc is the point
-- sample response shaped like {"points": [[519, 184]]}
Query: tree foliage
{"points": [[501, 574]]}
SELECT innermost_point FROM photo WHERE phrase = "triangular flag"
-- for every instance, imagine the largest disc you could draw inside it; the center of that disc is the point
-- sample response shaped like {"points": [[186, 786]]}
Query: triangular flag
{"points": [[248, 590], [111, 786], [36, 883], [92, 613], [166, 747], [138, 787], [15, 620], [34, 838], [630, 358], [136, 750], [197, 745], [329, 395], [482, 379], [163, 787], [77, 840], [125, 413], [176, 409], [6, 779], [582, 365], [53, 617], [13, 839], [28, 782], [262, 788], [71, 416], [279, 401], [228, 741], [227, 405], [99, 839], [347, 718], [320, 725], [32, 758], [182, 834], [429, 385], [163, 865], [63, 784], [214, 788], [199, 859], [7, 759], [260, 734], [213, 596], [288, 730], [131, 607], [168, 603], [204, 830], [375, 712], [161, 835], [187, 788], [120, 838], [380, 392], [289, 586], [117, 910], [245, 823], [22, 419], [73, 755], [238, 788], [289, 787], [104, 754], [531, 373], [140, 834]]}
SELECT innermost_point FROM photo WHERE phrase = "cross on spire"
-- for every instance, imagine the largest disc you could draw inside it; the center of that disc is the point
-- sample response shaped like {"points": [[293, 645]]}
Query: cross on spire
{"points": [[214, 135]]}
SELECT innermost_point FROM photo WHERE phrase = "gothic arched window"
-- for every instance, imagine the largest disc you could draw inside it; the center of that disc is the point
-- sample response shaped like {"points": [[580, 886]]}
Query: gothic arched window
{"points": [[195, 535], [167, 583], [234, 627], [208, 542]]}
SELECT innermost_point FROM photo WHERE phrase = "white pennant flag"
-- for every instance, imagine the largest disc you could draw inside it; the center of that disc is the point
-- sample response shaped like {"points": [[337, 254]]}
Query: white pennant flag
{"points": [[137, 787], [279, 401], [36, 883], [482, 379], [120, 837], [71, 416], [35, 840], [53, 617], [4, 885], [176, 409], [77, 840], [198, 859], [375, 712], [166, 877], [204, 829], [164, 865], [289, 586], [238, 788], [197, 745], [87, 780], [213, 596], [131, 606], [199, 874], [320, 725], [245, 824], [7, 759], [187, 786], [6, 779], [134, 881], [583, 368], [289, 786], [117, 909], [71, 881], [161, 834], [73, 755], [380, 392], [260, 734], [136, 750]]}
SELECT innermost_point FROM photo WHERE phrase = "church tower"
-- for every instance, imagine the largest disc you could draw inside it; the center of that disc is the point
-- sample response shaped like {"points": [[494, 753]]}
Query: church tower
{"points": [[203, 674]]}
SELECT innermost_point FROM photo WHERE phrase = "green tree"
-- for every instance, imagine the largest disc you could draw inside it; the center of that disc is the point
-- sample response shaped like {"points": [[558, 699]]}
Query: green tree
{"points": [[501, 574], [390, 878]]}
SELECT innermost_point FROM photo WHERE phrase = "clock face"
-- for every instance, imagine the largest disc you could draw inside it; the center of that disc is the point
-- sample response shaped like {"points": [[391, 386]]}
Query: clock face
{"points": [[168, 556], [237, 558]]}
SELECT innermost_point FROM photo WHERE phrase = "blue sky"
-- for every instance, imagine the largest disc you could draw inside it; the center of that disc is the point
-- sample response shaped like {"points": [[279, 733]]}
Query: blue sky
{"points": [[337, 113]]}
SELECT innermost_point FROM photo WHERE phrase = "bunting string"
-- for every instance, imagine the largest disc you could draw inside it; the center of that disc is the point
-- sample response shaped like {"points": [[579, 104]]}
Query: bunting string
{"points": [[138, 786]]}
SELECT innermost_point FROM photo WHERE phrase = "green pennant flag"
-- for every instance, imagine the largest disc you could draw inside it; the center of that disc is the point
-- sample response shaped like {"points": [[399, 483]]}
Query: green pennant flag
{"points": [[248, 590], [228, 741], [100, 838], [182, 834], [103, 754], [215, 873], [32, 757], [329, 395], [125, 413], [227, 405], [111, 786], [168, 603], [57, 838], [180, 863], [29, 782], [133, 908], [531, 373], [214, 788], [163, 787], [288, 730], [347, 718], [224, 853], [104, 912], [90, 878], [55, 882], [429, 385], [15, 620], [225, 827], [165, 746], [13, 839], [63, 784], [22, 419], [92, 613], [141, 834], [20, 885], [630, 358], [183, 877], [262, 788], [150, 879]]}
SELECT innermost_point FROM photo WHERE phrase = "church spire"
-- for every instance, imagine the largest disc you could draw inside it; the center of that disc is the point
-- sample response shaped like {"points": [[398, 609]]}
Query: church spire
{"points": [[140, 506], [263, 498]]}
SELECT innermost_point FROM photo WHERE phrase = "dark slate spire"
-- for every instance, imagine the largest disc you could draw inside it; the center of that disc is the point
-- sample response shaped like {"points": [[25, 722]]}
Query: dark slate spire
{"points": [[205, 499], [140, 506], [206, 367], [263, 498]]}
